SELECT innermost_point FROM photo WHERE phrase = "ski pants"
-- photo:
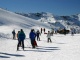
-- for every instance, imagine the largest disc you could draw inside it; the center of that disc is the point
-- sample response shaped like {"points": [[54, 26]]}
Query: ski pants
{"points": [[20, 43]]}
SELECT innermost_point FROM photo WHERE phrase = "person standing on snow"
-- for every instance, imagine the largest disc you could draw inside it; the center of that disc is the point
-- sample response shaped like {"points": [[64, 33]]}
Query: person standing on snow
{"points": [[49, 37], [18, 34], [64, 31], [21, 37], [38, 35], [18, 38], [32, 37], [41, 30], [72, 31], [14, 34], [44, 30]]}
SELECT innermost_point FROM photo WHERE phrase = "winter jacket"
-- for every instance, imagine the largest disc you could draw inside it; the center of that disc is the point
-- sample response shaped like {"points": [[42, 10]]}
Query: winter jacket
{"points": [[32, 35], [13, 32], [37, 33], [48, 35], [21, 36]]}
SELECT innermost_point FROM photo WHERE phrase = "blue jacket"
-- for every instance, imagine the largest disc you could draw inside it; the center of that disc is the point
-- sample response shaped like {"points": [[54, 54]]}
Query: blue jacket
{"points": [[32, 35], [21, 36]]}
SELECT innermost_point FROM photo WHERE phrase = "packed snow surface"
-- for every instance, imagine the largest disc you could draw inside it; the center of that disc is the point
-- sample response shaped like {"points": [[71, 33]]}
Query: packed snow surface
{"points": [[63, 47]]}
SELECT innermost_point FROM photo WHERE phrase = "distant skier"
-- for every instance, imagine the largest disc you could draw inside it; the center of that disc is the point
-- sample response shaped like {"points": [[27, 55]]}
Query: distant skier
{"points": [[21, 37], [72, 31], [49, 37], [55, 30], [64, 31], [38, 35], [32, 37], [44, 30], [41, 30], [14, 34]]}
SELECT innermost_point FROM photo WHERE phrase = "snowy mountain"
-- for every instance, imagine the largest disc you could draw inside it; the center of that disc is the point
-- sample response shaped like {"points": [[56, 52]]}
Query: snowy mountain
{"points": [[55, 21], [10, 21], [47, 17], [10, 18], [63, 47], [15, 21]]}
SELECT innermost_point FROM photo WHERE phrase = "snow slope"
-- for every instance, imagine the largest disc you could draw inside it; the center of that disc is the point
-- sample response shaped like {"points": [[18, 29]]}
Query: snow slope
{"points": [[63, 47], [10, 18], [10, 21]]}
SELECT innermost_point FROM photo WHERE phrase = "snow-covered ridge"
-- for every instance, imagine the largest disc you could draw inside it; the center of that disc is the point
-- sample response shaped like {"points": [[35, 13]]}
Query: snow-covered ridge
{"points": [[56, 21], [10, 18]]}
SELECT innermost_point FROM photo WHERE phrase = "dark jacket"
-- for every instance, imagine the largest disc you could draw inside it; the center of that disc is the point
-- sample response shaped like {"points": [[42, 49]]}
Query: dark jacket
{"points": [[21, 36], [32, 35], [13, 32], [37, 33]]}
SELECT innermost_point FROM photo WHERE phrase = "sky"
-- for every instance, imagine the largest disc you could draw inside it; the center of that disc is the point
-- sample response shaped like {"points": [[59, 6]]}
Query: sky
{"points": [[56, 7]]}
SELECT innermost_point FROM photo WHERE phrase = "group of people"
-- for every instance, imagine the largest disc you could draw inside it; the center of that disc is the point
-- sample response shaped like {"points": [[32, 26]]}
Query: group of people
{"points": [[42, 30], [32, 35], [21, 37]]}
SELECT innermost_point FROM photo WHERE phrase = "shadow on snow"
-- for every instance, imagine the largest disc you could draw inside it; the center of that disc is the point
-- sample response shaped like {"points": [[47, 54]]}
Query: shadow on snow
{"points": [[8, 54], [4, 57], [43, 49]]}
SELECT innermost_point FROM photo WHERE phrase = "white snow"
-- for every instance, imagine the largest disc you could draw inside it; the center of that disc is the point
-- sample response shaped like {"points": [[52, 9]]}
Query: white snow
{"points": [[68, 22], [63, 47]]}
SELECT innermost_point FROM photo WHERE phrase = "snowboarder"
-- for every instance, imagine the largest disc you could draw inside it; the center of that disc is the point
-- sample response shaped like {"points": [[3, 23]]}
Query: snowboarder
{"points": [[38, 35], [13, 32], [49, 37], [21, 37], [32, 37]]}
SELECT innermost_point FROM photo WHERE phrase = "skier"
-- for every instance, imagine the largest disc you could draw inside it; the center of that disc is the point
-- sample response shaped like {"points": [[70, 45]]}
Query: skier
{"points": [[44, 30], [64, 31], [55, 30], [41, 30], [32, 37], [13, 32], [18, 38], [72, 31], [38, 35], [21, 37], [18, 34], [49, 37]]}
